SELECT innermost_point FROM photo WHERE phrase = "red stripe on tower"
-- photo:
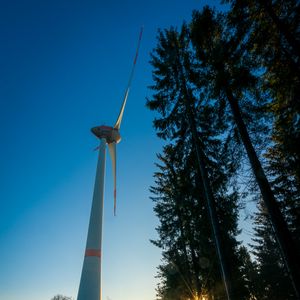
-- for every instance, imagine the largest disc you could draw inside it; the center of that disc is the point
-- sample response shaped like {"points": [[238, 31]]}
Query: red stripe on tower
{"points": [[92, 252]]}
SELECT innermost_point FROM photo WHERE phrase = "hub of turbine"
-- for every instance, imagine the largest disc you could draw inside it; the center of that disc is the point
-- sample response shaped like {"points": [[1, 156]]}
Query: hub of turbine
{"points": [[109, 133]]}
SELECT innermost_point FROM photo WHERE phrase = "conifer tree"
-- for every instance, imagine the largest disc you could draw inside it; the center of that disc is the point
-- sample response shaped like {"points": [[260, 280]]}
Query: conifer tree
{"points": [[272, 279], [225, 65], [170, 101]]}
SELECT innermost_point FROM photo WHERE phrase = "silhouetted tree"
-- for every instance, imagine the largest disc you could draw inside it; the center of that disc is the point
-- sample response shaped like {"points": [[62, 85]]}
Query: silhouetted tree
{"points": [[272, 279], [61, 297], [229, 70], [224, 81], [179, 105]]}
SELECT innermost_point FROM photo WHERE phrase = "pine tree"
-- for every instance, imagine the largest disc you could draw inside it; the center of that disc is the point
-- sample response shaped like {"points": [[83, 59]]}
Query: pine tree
{"points": [[174, 204], [273, 281], [176, 94], [225, 64], [266, 27]]}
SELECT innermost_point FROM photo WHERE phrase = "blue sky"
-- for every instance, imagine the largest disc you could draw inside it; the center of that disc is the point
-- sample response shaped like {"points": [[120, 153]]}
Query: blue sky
{"points": [[64, 68]]}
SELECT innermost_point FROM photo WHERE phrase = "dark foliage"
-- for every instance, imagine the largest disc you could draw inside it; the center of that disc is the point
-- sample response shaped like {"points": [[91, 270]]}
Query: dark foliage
{"points": [[234, 78]]}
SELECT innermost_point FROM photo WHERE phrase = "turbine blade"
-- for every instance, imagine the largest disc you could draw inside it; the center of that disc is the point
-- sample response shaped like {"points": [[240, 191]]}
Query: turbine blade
{"points": [[112, 151], [119, 119]]}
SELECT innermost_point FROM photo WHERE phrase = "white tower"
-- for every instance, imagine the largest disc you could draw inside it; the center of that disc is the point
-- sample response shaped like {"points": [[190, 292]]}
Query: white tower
{"points": [[90, 282]]}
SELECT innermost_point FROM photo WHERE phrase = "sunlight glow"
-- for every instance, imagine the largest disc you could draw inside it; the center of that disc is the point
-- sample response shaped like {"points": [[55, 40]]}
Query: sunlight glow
{"points": [[203, 297]]}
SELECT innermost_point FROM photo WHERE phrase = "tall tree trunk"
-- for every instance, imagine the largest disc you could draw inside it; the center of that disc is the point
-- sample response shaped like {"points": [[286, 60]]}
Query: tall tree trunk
{"points": [[185, 244], [211, 205], [283, 236], [210, 201], [194, 259], [188, 238], [195, 264], [224, 264]]}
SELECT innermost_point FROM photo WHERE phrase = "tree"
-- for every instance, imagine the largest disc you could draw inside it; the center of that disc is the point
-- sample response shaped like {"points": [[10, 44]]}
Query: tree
{"points": [[266, 39], [272, 278], [225, 80], [188, 121], [221, 56], [271, 33], [61, 297]]}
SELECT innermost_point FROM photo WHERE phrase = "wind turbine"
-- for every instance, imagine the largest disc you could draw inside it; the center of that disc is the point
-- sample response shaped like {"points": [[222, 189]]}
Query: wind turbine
{"points": [[90, 282]]}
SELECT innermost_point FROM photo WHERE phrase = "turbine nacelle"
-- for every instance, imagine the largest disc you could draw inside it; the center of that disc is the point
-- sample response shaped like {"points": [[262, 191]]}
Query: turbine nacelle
{"points": [[111, 134]]}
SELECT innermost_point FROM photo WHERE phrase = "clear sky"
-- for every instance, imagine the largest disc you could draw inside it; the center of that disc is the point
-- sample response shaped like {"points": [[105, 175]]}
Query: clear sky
{"points": [[64, 66]]}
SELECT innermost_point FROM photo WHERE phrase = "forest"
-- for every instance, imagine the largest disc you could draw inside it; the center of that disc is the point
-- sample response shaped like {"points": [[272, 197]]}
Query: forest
{"points": [[225, 93]]}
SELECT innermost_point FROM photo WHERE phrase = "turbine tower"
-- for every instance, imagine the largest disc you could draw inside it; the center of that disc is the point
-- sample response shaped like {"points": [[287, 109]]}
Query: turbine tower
{"points": [[90, 282]]}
